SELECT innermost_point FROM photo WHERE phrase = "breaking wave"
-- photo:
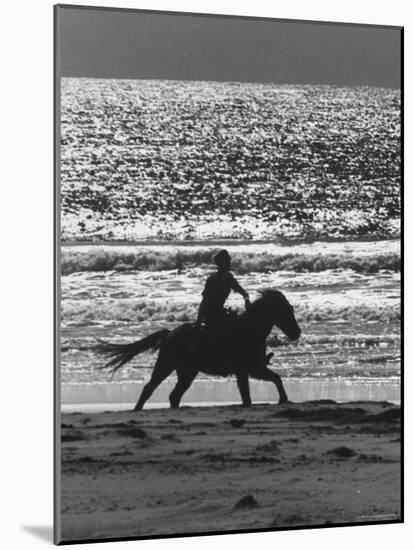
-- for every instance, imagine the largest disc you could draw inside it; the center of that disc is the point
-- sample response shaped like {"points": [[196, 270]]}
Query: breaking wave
{"points": [[99, 259]]}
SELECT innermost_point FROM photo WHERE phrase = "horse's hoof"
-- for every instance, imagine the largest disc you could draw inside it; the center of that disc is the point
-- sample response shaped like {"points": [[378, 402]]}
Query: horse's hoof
{"points": [[283, 400]]}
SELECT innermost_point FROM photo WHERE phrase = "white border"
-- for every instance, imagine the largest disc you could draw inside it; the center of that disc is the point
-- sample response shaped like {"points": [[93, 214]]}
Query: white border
{"points": [[27, 283]]}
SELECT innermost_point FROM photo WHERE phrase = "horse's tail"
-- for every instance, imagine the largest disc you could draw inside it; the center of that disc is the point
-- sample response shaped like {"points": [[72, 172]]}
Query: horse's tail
{"points": [[122, 353]]}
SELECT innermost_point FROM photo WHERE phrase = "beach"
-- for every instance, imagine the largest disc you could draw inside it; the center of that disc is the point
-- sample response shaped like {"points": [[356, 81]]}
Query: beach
{"points": [[332, 456], [226, 468]]}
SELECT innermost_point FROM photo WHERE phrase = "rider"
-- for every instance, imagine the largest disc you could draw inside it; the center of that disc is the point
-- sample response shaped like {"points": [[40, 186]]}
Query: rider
{"points": [[216, 291]]}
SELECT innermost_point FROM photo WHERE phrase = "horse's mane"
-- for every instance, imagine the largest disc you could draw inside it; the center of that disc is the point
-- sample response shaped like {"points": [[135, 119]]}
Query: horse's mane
{"points": [[269, 296], [269, 299]]}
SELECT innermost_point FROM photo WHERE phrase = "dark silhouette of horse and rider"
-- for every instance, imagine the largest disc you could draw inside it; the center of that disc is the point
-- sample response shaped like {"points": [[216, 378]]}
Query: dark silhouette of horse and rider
{"points": [[220, 342]]}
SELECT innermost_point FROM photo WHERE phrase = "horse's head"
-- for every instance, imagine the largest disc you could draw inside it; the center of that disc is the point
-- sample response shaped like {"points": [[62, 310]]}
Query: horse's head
{"points": [[280, 312]]}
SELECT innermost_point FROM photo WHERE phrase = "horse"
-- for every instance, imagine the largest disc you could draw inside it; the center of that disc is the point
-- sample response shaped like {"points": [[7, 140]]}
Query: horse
{"points": [[188, 350]]}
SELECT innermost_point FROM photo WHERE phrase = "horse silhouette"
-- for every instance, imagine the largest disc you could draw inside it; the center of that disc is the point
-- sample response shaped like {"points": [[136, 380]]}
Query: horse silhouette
{"points": [[239, 349]]}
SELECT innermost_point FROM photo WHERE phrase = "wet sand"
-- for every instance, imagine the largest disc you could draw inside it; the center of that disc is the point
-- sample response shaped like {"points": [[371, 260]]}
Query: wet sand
{"points": [[123, 395], [204, 469]]}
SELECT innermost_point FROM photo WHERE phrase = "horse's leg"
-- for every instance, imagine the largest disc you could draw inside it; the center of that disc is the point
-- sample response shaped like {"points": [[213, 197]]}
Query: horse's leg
{"points": [[162, 369], [184, 381], [270, 376], [243, 385]]}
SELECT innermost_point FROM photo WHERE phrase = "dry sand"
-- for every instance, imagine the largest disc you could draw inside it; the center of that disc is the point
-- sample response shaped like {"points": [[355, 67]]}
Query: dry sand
{"points": [[204, 469]]}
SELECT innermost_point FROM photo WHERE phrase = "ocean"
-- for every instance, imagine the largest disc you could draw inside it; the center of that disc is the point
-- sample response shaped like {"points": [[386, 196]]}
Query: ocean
{"points": [[178, 160], [300, 183]]}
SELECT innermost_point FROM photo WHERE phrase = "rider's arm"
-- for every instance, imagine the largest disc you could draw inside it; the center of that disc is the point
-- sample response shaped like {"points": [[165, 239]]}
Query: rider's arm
{"points": [[200, 315], [239, 289]]}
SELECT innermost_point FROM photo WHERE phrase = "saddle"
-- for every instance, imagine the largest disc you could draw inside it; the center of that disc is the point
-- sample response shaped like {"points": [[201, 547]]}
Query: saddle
{"points": [[217, 334], [222, 322]]}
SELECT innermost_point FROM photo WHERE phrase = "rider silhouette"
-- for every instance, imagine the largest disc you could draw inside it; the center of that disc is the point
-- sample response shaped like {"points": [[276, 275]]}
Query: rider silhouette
{"points": [[211, 311], [216, 291]]}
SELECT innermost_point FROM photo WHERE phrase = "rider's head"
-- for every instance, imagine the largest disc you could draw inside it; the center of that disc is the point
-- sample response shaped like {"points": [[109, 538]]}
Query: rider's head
{"points": [[222, 260]]}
